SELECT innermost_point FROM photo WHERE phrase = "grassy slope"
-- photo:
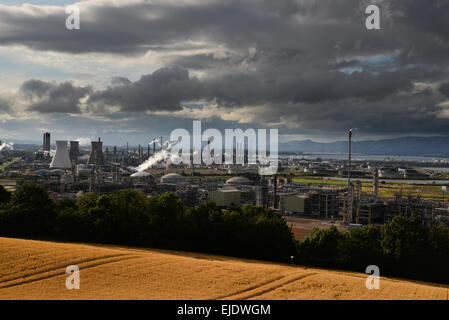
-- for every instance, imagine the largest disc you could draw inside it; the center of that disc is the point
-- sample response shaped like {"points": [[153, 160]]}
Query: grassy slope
{"points": [[35, 270]]}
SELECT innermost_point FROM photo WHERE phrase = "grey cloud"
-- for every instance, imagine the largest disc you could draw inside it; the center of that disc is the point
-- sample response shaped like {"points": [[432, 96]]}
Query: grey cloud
{"points": [[307, 25], [163, 90], [312, 63], [46, 97], [4, 105], [444, 89]]}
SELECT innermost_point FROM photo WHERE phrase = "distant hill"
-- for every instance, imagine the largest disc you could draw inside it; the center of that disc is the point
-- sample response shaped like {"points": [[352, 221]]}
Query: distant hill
{"points": [[410, 146], [405, 146]]}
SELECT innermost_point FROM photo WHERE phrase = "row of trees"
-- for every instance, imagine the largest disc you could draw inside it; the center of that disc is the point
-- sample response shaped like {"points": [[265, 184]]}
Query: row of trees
{"points": [[403, 248], [130, 218]]}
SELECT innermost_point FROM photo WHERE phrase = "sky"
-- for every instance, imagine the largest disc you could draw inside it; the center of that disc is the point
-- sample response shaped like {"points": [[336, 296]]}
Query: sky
{"points": [[138, 69]]}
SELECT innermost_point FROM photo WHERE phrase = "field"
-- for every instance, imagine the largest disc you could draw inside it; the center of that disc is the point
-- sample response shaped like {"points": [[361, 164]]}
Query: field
{"points": [[36, 270], [388, 189], [302, 227]]}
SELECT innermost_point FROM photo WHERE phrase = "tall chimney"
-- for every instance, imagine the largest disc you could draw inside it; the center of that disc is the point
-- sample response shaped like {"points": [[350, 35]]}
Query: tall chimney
{"points": [[349, 157], [376, 183]]}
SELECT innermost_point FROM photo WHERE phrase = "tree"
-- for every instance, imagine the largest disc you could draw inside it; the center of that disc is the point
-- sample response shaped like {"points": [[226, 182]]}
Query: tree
{"points": [[85, 204], [203, 228], [405, 244], [165, 212], [362, 247], [404, 237], [5, 196], [323, 248], [438, 258], [32, 212], [127, 216]]}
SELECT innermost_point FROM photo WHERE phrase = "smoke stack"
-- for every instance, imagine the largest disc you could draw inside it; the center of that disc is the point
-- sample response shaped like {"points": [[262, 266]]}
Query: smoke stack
{"points": [[349, 157], [376, 183], [107, 159], [61, 159]]}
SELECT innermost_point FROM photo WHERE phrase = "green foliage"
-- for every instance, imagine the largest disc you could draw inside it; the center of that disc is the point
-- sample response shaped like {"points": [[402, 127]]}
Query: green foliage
{"points": [[403, 248], [362, 248], [323, 248], [404, 237], [5, 196], [129, 217], [31, 213]]}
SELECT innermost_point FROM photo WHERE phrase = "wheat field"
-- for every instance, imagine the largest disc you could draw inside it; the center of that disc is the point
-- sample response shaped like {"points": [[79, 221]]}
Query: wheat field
{"points": [[36, 270]]}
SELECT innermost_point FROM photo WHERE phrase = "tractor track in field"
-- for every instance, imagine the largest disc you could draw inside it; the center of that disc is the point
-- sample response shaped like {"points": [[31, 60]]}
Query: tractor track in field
{"points": [[60, 270]]}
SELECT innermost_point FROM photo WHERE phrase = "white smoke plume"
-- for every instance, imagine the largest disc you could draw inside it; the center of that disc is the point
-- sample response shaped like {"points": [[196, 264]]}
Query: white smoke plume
{"points": [[157, 141], [160, 156], [166, 144], [7, 146], [84, 157], [84, 141]]}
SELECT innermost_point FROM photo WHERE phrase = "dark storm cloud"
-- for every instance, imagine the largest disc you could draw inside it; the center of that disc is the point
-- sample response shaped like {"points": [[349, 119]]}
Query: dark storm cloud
{"points": [[4, 105], [444, 89], [164, 90], [46, 97], [311, 64], [311, 26]]}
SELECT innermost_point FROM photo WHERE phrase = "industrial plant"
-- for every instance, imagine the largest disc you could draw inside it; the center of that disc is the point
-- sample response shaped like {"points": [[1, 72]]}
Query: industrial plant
{"points": [[69, 170]]}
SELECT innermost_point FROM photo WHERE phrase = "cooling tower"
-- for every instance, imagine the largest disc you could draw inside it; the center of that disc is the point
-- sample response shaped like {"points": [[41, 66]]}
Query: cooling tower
{"points": [[96, 153], [74, 151], [61, 159]]}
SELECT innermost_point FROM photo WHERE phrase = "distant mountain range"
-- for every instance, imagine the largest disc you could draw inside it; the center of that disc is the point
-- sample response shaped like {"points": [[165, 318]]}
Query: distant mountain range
{"points": [[410, 146], [405, 146]]}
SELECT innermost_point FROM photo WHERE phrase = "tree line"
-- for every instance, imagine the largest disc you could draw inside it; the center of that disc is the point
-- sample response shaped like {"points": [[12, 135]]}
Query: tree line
{"points": [[129, 217], [402, 248]]}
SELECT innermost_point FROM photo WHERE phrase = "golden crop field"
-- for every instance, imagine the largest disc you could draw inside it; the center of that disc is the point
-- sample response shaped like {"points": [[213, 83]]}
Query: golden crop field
{"points": [[36, 270]]}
